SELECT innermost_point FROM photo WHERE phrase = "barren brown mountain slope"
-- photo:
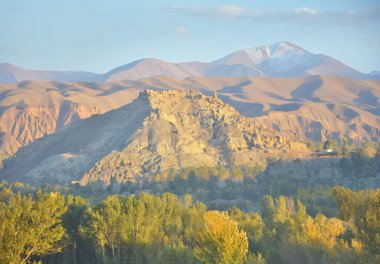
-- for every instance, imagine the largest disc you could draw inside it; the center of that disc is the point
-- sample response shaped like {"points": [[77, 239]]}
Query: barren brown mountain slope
{"points": [[160, 130], [317, 107], [31, 109]]}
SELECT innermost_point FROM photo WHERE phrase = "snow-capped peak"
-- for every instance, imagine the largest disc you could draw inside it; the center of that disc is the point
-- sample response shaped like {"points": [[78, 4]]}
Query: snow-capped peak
{"points": [[276, 50]]}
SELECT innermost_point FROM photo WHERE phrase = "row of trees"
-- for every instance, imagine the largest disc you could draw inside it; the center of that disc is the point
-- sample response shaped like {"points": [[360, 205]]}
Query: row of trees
{"points": [[54, 228], [344, 149]]}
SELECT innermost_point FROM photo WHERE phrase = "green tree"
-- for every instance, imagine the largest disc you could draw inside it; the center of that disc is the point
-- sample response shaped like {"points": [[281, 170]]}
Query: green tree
{"points": [[362, 210], [31, 228], [293, 236], [330, 144], [345, 147], [222, 242], [176, 253], [253, 225], [104, 225], [255, 259], [71, 222]]}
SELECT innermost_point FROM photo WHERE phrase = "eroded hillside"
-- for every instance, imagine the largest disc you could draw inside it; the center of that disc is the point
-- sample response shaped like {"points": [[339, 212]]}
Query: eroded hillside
{"points": [[158, 131], [316, 107], [31, 109]]}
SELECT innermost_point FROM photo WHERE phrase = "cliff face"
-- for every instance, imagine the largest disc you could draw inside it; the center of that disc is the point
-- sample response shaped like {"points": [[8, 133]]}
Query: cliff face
{"points": [[158, 131], [189, 129], [22, 124]]}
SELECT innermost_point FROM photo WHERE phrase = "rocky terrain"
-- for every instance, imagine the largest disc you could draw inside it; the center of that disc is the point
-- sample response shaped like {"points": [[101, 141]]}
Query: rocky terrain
{"points": [[31, 109], [316, 107], [158, 131]]}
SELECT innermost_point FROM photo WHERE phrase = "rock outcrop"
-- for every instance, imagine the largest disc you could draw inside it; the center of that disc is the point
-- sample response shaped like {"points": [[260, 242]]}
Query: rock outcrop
{"points": [[158, 131], [316, 107]]}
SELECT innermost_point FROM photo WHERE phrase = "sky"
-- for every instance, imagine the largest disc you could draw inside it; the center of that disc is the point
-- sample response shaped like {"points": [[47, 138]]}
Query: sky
{"points": [[98, 35]]}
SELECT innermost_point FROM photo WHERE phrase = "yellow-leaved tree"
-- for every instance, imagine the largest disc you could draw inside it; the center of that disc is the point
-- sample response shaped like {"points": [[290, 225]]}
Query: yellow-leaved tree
{"points": [[222, 242]]}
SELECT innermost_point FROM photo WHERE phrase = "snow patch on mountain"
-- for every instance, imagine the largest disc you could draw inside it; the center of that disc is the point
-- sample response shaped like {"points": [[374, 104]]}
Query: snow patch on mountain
{"points": [[276, 50]]}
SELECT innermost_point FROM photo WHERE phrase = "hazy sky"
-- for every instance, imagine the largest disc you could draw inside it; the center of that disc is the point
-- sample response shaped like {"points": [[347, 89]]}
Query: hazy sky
{"points": [[97, 35]]}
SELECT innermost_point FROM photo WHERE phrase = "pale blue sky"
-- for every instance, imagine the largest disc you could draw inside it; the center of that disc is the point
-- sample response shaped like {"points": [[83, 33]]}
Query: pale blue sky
{"points": [[98, 35]]}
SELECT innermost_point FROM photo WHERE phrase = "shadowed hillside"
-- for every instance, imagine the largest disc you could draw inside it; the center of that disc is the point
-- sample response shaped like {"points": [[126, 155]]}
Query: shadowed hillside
{"points": [[317, 107], [158, 131]]}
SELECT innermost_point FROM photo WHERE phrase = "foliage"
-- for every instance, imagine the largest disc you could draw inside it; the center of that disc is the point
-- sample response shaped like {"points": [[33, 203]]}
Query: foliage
{"points": [[255, 259], [300, 227], [293, 236], [330, 144], [31, 227], [362, 210], [345, 148], [222, 242], [143, 229]]}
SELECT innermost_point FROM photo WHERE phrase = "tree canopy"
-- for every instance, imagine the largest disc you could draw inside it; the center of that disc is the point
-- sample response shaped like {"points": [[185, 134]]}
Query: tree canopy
{"points": [[222, 242], [50, 227]]}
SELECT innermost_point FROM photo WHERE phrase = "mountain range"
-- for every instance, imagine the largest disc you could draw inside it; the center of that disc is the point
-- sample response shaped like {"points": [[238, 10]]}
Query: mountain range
{"points": [[158, 131], [281, 59], [313, 107], [149, 116]]}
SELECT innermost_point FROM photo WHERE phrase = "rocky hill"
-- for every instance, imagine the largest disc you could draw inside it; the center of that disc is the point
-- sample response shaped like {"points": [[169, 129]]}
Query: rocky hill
{"points": [[316, 107], [158, 131]]}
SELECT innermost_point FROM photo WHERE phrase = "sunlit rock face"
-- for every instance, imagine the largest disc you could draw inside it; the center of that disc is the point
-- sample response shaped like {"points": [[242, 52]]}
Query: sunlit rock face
{"points": [[158, 131]]}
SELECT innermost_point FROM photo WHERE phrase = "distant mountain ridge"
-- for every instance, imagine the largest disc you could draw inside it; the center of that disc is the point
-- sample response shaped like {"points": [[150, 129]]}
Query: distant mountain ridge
{"points": [[375, 73], [10, 73], [281, 59], [284, 59]]}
